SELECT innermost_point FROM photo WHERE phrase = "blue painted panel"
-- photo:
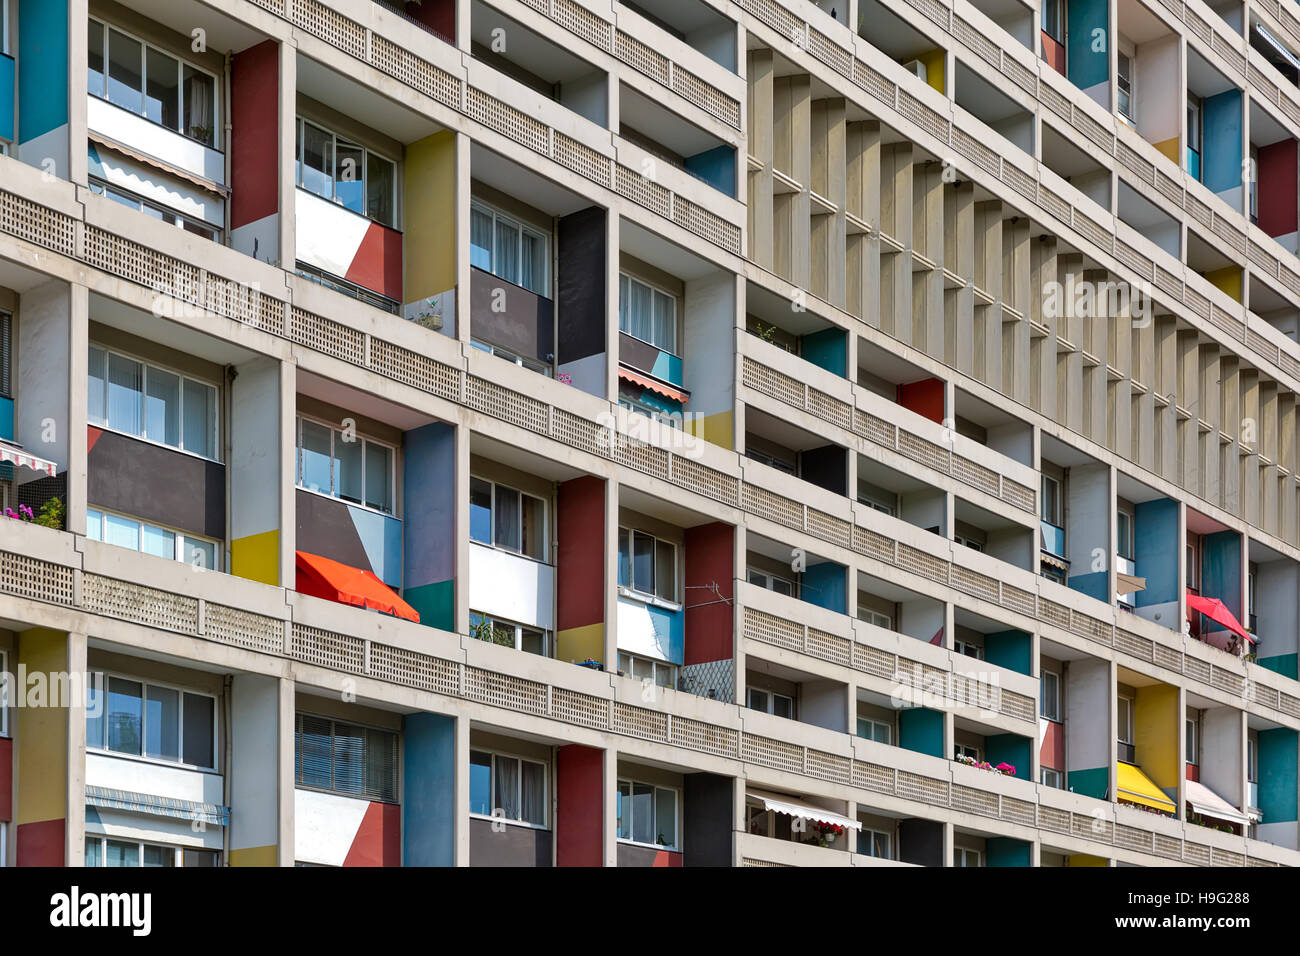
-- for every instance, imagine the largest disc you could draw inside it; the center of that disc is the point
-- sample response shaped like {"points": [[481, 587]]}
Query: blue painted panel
{"points": [[921, 730], [6, 97], [1012, 749], [1277, 774], [717, 167], [1221, 570], [1004, 851], [42, 67], [1009, 649], [1221, 141], [668, 368], [1155, 530], [1194, 164], [1094, 584], [828, 349], [428, 790], [1087, 51], [1053, 538], [824, 585], [381, 536], [7, 418]]}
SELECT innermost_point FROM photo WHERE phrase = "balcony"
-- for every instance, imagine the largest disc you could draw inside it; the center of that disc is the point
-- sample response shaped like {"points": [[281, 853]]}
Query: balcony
{"points": [[153, 143], [344, 245]]}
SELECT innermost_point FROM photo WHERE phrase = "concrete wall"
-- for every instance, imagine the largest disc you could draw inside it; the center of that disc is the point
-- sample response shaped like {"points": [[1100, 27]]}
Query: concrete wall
{"points": [[1089, 729]]}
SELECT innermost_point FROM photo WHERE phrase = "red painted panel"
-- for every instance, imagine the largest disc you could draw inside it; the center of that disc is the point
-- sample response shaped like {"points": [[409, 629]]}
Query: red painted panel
{"points": [[438, 15], [578, 806], [378, 263], [924, 397], [667, 858], [580, 563], [710, 559], [1277, 188], [6, 779], [1052, 752], [41, 844], [1054, 54], [379, 838], [255, 138], [92, 436], [1193, 772]]}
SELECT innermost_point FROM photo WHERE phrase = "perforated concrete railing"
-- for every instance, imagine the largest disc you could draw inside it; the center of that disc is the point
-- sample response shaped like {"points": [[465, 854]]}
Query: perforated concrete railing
{"points": [[963, 689], [358, 41], [801, 395], [1229, 235], [128, 601]]}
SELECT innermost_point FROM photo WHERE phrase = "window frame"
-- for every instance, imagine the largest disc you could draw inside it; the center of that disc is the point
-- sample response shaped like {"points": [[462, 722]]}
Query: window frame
{"points": [[523, 227], [765, 458], [1252, 757], [5, 685], [1124, 719], [492, 788], [772, 695], [179, 535], [100, 680], [1192, 741], [961, 647], [874, 723], [366, 795], [103, 838], [145, 366], [1059, 776], [654, 290], [631, 589], [967, 750], [1126, 51], [218, 84], [492, 520], [869, 834], [1059, 6], [1043, 674], [548, 648], [656, 666], [654, 802], [1058, 510], [1124, 537], [965, 854], [966, 542], [531, 364], [364, 439], [124, 197], [300, 152], [872, 616]]}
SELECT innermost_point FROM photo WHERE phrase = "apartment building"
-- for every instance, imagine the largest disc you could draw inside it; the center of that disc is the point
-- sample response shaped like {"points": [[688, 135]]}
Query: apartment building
{"points": [[655, 433]]}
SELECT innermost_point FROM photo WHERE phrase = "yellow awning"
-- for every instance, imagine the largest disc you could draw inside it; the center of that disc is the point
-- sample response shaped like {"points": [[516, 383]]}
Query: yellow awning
{"points": [[1134, 786]]}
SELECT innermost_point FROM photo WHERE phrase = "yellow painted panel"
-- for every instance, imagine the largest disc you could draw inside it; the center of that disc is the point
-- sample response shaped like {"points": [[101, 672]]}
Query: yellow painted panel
{"points": [[430, 234], [255, 856], [257, 557], [42, 737], [1170, 148], [935, 64], [1228, 279], [1083, 859], [1157, 728], [579, 643], [717, 429]]}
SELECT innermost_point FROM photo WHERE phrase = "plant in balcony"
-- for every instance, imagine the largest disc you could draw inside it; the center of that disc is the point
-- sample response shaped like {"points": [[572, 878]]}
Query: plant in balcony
{"points": [[50, 516], [824, 834]]}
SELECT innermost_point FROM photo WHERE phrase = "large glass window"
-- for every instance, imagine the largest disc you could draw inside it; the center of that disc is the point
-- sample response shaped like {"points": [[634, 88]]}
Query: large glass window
{"points": [[346, 465], [345, 758], [508, 249], [151, 82], [647, 814], [647, 313], [101, 851], [507, 519], [647, 564], [661, 673], [142, 719], [507, 788], [124, 532], [151, 402], [335, 168]]}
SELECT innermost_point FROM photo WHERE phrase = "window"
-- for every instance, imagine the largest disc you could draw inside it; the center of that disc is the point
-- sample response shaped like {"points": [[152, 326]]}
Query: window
{"points": [[347, 466], [1049, 695], [1127, 103], [1124, 534], [876, 618], [1054, 19], [1194, 135], [161, 213], [966, 750], [772, 582], [647, 814], [508, 519], [1252, 183], [778, 462], [1124, 729], [508, 249], [521, 637], [876, 843], [5, 695], [6, 354], [1193, 563], [968, 649], [507, 788], [1051, 778], [102, 851], [876, 504], [1250, 598], [144, 719], [1052, 574], [964, 857], [971, 543], [151, 402], [877, 730], [1252, 763], [1051, 500], [347, 173], [1192, 741], [647, 313], [143, 79], [345, 758], [647, 565], [124, 532], [533, 365], [643, 668], [770, 702]]}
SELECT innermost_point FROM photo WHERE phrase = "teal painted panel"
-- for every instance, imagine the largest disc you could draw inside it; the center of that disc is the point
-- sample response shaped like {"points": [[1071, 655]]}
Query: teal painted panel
{"points": [[1155, 526], [7, 92], [717, 167], [1012, 749], [668, 368], [1278, 764], [828, 349], [1004, 851], [1221, 570], [435, 603], [1009, 649], [1221, 140], [1094, 782], [429, 790], [1095, 584], [42, 67], [1284, 664], [7, 418], [824, 585], [1087, 54], [921, 730]]}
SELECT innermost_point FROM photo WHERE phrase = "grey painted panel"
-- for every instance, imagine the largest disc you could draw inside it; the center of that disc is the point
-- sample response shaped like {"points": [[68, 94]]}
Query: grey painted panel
{"points": [[511, 846], [157, 484]]}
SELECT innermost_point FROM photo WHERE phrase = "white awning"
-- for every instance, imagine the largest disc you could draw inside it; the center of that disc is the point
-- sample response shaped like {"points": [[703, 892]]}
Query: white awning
{"points": [[16, 456], [1209, 804], [781, 804], [1129, 583]]}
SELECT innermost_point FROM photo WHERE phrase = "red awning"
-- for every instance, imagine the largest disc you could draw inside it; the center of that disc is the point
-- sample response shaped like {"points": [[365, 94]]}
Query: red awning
{"points": [[16, 456], [646, 381], [1218, 612], [333, 581]]}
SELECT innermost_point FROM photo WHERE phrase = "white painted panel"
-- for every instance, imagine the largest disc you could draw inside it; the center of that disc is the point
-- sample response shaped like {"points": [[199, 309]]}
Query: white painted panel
{"points": [[637, 633], [154, 140], [159, 780], [328, 235], [512, 587], [324, 826], [118, 824]]}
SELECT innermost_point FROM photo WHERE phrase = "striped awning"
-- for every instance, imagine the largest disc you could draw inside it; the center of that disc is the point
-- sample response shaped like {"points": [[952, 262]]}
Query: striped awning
{"points": [[132, 802], [654, 385], [16, 456], [1050, 559]]}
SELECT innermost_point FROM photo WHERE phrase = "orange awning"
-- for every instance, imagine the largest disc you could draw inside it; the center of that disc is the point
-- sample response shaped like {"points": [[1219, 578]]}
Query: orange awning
{"points": [[646, 381], [333, 581]]}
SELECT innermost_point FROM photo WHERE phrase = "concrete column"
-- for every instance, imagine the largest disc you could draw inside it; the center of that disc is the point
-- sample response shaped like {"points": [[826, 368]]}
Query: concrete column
{"points": [[76, 707], [287, 103], [609, 806], [284, 739]]}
